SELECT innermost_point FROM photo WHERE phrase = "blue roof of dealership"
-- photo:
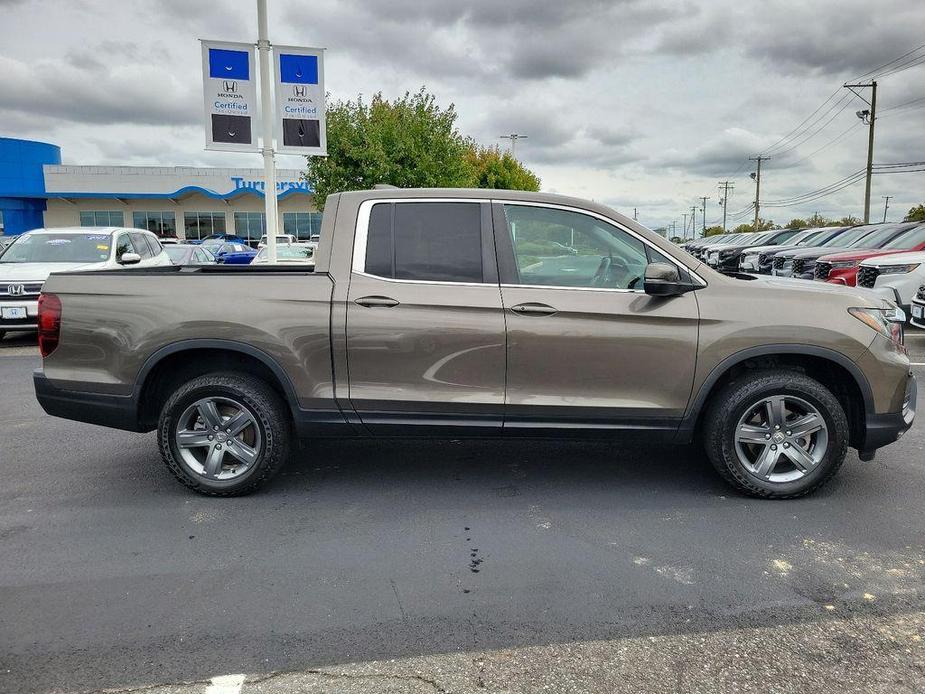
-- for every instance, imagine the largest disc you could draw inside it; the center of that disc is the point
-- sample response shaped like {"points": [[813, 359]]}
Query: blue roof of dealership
{"points": [[31, 173]]}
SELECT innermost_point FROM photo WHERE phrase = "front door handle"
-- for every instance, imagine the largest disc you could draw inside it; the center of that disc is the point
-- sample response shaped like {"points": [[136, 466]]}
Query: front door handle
{"points": [[534, 309], [376, 301]]}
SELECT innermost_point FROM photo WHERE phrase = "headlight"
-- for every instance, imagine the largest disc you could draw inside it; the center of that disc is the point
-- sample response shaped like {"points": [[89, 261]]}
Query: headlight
{"points": [[898, 269], [886, 321], [841, 264]]}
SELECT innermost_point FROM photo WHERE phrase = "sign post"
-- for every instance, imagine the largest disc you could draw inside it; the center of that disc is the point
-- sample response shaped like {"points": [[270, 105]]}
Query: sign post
{"points": [[266, 105], [231, 106]]}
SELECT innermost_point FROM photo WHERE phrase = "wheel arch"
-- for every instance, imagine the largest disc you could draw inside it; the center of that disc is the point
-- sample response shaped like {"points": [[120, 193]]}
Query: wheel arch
{"points": [[825, 365], [181, 360]]}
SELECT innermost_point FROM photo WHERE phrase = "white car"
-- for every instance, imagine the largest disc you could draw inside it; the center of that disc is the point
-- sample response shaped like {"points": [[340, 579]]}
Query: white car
{"points": [[280, 239], [918, 308], [896, 277], [289, 254], [26, 264]]}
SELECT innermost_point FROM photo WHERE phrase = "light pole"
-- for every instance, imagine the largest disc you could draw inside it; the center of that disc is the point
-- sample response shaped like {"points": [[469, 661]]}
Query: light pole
{"points": [[513, 137]]}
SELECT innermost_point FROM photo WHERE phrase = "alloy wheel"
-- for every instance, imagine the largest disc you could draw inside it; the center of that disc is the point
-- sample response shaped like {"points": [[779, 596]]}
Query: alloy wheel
{"points": [[781, 438], [218, 438]]}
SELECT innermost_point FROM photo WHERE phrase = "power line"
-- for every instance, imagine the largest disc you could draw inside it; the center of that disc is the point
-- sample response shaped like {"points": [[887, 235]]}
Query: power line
{"points": [[792, 132], [846, 104], [782, 147], [826, 145], [869, 73]]}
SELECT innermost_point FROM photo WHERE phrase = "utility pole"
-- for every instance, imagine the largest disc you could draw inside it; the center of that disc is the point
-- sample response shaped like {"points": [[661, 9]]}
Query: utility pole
{"points": [[757, 177], [869, 116], [703, 209], [725, 186], [693, 221], [513, 137], [635, 217], [886, 205], [684, 233]]}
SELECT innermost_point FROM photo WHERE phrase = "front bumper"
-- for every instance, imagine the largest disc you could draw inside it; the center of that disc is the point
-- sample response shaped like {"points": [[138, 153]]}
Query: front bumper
{"points": [[115, 411], [31, 320], [917, 322], [883, 429]]}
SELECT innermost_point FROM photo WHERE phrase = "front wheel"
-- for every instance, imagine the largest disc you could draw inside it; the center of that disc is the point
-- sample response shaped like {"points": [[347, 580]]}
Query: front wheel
{"points": [[224, 434], [776, 434]]}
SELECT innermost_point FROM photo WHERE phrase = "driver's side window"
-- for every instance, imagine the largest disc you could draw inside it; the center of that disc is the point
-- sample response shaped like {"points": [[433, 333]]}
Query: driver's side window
{"points": [[561, 248], [124, 245]]}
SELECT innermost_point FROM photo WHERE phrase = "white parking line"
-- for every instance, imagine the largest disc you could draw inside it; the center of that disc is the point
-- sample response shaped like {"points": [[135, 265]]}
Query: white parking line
{"points": [[226, 684]]}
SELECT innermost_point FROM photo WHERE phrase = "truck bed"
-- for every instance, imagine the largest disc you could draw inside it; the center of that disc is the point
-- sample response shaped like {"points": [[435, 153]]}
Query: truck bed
{"points": [[116, 322]]}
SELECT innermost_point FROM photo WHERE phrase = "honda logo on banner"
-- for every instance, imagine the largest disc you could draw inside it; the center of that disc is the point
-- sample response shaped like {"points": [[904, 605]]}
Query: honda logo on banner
{"points": [[300, 105], [230, 96]]}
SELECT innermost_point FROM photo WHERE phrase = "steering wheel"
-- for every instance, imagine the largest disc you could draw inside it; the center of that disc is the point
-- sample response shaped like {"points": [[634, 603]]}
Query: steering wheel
{"points": [[604, 276]]}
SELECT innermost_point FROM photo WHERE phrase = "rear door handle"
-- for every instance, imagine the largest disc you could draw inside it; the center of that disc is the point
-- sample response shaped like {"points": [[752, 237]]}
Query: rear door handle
{"points": [[534, 309], [376, 301]]}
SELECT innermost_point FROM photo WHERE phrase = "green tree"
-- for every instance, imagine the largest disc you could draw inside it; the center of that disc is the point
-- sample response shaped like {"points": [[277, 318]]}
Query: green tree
{"points": [[713, 231], [493, 169], [916, 214], [817, 220], [763, 225], [410, 142], [848, 221], [797, 223]]}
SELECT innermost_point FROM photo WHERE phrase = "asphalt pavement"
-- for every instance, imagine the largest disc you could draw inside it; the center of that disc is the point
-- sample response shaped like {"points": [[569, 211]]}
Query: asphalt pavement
{"points": [[447, 566]]}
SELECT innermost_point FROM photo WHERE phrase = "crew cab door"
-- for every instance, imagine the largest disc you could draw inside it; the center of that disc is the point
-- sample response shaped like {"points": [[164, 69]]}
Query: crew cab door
{"points": [[425, 324], [587, 348]]}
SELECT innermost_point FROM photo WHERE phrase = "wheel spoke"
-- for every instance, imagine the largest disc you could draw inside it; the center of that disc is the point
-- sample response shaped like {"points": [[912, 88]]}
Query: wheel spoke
{"points": [[800, 458], [766, 462], [211, 417], [242, 452], [806, 425], [213, 465], [777, 411], [749, 433], [188, 438], [238, 423]]}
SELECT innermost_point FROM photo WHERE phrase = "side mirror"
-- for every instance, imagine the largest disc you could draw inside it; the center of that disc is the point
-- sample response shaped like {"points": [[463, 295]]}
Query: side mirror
{"points": [[662, 279], [130, 259]]}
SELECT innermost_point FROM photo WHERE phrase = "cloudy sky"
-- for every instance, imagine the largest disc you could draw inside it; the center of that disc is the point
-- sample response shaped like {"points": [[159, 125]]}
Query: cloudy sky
{"points": [[636, 103]]}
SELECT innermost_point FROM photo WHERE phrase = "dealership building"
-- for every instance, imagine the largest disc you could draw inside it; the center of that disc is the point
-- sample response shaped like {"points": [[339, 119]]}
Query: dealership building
{"points": [[36, 190]]}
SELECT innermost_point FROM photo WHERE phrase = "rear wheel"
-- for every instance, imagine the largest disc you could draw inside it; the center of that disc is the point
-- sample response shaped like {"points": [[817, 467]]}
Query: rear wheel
{"points": [[224, 434], [776, 434]]}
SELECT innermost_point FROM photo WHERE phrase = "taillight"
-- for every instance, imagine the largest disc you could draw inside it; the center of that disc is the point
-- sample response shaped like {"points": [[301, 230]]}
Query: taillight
{"points": [[49, 323]]}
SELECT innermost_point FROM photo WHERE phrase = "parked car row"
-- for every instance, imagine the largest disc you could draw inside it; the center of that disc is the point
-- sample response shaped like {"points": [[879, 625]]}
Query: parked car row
{"points": [[888, 258], [27, 261]]}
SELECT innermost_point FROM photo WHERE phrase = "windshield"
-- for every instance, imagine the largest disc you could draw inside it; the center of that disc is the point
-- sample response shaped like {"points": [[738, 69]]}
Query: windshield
{"points": [[176, 253], [908, 240], [874, 239], [847, 238], [807, 237], [59, 248]]}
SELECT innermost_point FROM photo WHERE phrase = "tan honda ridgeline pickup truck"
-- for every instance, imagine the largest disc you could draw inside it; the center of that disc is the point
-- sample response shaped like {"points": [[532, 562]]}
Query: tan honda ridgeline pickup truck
{"points": [[482, 313]]}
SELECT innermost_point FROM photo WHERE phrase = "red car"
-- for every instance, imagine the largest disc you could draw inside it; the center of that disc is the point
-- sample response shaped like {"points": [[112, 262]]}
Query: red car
{"points": [[842, 268]]}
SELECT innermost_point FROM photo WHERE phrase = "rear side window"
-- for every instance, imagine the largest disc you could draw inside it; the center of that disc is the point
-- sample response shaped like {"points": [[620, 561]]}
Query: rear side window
{"points": [[141, 245], [154, 245], [427, 241]]}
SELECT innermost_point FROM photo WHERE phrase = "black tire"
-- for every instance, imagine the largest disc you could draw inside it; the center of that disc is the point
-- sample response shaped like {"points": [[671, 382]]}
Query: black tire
{"points": [[734, 400], [271, 418]]}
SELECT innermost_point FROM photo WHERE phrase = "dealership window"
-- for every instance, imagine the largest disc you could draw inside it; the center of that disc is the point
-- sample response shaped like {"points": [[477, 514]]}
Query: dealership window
{"points": [[305, 226], [250, 225], [103, 218], [198, 225], [160, 223]]}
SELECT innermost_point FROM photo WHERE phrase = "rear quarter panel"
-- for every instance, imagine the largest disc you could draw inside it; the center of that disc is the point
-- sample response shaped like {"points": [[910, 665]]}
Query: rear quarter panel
{"points": [[112, 323]]}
